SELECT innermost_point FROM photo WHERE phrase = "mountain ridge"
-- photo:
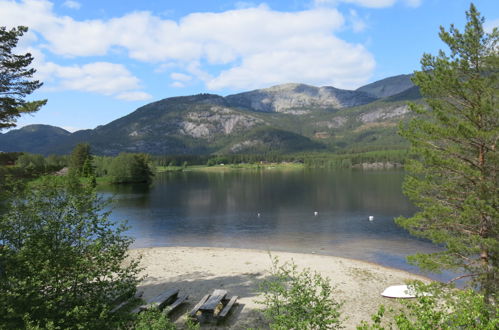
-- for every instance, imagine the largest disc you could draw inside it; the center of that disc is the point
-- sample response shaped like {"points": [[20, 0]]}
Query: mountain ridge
{"points": [[280, 118]]}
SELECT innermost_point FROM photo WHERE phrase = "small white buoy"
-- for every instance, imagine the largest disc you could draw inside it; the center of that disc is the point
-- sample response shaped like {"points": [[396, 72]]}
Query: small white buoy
{"points": [[371, 218], [258, 214], [316, 213]]}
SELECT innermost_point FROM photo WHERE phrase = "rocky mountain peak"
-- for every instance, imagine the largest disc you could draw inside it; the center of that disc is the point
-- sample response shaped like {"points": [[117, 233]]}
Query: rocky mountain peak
{"points": [[297, 99]]}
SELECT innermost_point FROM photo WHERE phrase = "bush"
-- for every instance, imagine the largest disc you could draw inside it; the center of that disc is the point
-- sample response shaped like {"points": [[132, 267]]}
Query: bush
{"points": [[126, 168], [153, 320], [299, 299], [62, 259], [438, 306]]}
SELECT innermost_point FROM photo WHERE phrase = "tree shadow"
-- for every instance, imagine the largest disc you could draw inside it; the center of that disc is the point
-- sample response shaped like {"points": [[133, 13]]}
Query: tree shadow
{"points": [[198, 284]]}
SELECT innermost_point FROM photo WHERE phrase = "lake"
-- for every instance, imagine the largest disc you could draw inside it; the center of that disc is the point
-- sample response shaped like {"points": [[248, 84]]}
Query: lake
{"points": [[274, 209]]}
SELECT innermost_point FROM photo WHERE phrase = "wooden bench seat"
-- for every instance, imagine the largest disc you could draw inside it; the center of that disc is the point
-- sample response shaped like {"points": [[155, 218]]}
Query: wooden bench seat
{"points": [[193, 312], [213, 301], [180, 300], [159, 301], [227, 308], [123, 301], [214, 307]]}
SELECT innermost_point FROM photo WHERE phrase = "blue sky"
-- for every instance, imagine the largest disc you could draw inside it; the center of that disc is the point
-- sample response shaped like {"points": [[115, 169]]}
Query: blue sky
{"points": [[100, 60]]}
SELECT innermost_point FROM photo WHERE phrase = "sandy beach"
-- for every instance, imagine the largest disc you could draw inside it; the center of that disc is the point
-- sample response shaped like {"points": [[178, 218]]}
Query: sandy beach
{"points": [[197, 271]]}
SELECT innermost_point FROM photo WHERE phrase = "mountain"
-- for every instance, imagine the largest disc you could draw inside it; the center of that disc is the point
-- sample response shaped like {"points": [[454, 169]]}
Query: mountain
{"points": [[283, 118], [298, 99], [39, 138], [388, 86]]}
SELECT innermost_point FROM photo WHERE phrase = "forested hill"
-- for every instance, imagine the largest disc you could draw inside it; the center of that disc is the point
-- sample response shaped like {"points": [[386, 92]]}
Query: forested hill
{"points": [[284, 118]]}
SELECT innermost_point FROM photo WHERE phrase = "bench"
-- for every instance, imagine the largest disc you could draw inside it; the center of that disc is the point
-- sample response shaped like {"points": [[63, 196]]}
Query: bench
{"points": [[180, 300], [209, 304], [123, 301], [213, 301], [227, 308], [169, 297], [193, 312]]}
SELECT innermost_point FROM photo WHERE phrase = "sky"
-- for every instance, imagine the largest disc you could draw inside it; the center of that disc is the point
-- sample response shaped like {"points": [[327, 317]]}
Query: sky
{"points": [[101, 60]]}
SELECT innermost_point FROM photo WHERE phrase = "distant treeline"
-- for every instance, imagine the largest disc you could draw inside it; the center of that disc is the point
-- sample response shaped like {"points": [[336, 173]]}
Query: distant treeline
{"points": [[394, 157], [138, 167], [312, 160]]}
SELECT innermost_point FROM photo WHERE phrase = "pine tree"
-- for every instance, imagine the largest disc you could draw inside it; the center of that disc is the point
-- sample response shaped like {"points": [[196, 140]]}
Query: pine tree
{"points": [[80, 160], [15, 83], [453, 175]]}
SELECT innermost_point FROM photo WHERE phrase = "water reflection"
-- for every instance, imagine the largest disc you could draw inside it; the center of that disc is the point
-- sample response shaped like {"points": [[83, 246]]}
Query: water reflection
{"points": [[221, 209]]}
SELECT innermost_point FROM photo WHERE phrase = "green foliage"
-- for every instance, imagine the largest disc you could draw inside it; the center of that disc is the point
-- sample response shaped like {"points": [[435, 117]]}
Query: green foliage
{"points": [[126, 168], [80, 161], [453, 177], [62, 261], [153, 319], [299, 299], [9, 158], [33, 165], [437, 307], [15, 84], [190, 324], [16, 168]]}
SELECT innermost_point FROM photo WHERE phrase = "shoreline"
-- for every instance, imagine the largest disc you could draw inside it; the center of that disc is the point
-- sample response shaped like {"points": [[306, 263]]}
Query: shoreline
{"points": [[197, 271]]}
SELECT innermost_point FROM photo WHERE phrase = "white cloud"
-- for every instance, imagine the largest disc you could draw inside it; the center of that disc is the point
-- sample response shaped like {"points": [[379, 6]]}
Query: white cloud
{"points": [[71, 4], [363, 3], [328, 62], [369, 3], [177, 84], [357, 23], [101, 77], [264, 45], [180, 76], [244, 4], [134, 96]]}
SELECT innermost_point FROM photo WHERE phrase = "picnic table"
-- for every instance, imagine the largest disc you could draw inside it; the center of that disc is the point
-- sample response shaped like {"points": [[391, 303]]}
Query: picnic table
{"points": [[214, 307], [168, 300]]}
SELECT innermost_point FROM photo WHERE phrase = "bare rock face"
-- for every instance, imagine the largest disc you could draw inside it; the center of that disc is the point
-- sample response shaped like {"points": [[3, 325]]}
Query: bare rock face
{"points": [[298, 99], [384, 113], [238, 147], [335, 122], [218, 120]]}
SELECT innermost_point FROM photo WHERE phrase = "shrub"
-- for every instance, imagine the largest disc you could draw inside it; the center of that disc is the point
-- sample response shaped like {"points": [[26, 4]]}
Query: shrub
{"points": [[299, 299], [62, 259], [153, 320], [438, 306]]}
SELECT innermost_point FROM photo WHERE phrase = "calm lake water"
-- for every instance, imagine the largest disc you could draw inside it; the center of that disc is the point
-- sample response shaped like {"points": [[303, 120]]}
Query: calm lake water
{"points": [[274, 209]]}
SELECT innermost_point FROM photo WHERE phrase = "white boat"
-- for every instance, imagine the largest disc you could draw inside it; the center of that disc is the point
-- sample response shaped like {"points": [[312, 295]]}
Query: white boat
{"points": [[399, 291]]}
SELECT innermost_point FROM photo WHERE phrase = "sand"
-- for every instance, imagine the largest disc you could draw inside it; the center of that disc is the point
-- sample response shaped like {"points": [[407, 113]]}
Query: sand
{"points": [[197, 271]]}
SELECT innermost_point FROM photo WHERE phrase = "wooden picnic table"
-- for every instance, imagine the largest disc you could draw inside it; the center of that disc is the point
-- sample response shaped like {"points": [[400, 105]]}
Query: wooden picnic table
{"points": [[168, 297], [209, 304], [213, 301]]}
